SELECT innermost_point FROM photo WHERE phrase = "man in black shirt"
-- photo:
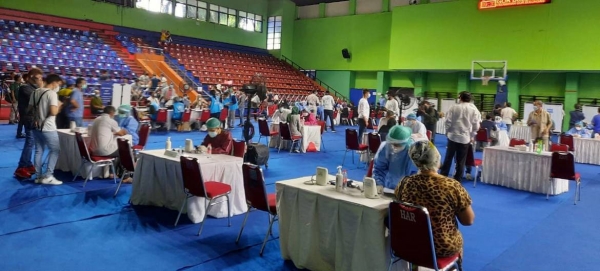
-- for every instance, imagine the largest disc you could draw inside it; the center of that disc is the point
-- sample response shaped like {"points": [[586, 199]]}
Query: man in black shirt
{"points": [[429, 117]]}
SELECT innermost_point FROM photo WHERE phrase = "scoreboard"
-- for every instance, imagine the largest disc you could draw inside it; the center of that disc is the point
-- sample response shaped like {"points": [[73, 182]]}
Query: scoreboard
{"points": [[492, 4]]}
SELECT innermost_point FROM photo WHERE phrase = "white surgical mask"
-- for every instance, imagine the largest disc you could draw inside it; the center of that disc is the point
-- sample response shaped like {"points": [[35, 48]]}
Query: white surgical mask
{"points": [[368, 96], [498, 121], [212, 134], [56, 89], [396, 149], [535, 108], [578, 128]]}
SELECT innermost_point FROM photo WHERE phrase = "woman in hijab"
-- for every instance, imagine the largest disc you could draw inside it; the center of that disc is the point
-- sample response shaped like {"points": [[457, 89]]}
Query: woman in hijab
{"points": [[296, 126]]}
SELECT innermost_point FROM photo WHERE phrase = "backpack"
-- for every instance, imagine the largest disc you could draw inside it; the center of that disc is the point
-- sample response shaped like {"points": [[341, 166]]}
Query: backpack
{"points": [[32, 118]]}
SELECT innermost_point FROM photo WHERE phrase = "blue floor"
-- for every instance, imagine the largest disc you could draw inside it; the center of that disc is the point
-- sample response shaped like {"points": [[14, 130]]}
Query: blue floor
{"points": [[70, 228]]}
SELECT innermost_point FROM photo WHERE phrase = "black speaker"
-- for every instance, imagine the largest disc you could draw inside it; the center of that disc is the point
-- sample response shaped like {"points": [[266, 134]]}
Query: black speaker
{"points": [[345, 53]]}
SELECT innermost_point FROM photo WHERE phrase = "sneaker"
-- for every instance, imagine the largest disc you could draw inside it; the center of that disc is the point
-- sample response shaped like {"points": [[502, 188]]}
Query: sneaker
{"points": [[30, 169], [333, 131], [22, 173], [469, 177], [50, 180]]}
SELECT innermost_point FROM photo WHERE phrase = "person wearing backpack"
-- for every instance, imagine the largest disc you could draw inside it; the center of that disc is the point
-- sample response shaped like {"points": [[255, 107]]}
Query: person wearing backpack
{"points": [[34, 80], [44, 103]]}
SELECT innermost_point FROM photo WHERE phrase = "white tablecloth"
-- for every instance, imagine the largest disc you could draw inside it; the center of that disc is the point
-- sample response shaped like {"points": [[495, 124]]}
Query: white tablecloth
{"points": [[69, 158], [157, 181], [520, 132], [520, 170], [587, 150], [311, 133], [440, 128], [322, 230]]}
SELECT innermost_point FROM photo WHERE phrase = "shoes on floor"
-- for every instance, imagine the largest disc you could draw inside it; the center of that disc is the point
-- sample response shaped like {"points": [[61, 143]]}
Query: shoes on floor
{"points": [[30, 169], [23, 173], [50, 180], [21, 136], [469, 177]]}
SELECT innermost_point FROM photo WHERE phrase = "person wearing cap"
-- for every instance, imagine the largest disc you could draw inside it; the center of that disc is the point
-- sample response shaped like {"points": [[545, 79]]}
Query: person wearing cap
{"points": [[75, 104], [418, 129], [391, 162], [579, 131], [104, 133], [128, 122], [392, 104], [446, 199], [66, 92], [96, 104], [220, 140]]}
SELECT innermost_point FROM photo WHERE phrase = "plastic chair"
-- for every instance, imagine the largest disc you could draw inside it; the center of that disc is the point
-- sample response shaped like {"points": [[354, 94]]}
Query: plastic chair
{"points": [[125, 159], [559, 148], [264, 131], [516, 142], [374, 142], [161, 117], [563, 167], [567, 140], [258, 199], [286, 135], [143, 133], [94, 160], [239, 149], [194, 185], [482, 137], [352, 144], [411, 238], [429, 133], [472, 162]]}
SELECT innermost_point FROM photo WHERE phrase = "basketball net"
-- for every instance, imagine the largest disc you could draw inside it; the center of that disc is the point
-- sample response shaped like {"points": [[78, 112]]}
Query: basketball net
{"points": [[485, 80]]}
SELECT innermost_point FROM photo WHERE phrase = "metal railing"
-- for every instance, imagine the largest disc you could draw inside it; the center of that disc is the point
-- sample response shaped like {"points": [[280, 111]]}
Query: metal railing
{"points": [[321, 83]]}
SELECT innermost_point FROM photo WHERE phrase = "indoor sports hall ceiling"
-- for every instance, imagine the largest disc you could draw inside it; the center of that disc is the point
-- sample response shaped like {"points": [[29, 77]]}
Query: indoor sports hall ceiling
{"points": [[313, 2]]}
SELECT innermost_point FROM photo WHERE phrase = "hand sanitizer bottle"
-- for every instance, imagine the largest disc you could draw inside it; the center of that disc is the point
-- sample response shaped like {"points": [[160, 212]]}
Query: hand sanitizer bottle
{"points": [[339, 180], [209, 150], [168, 144]]}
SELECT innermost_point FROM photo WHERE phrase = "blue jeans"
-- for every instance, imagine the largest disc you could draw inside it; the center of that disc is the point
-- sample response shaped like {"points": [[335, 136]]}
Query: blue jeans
{"points": [[43, 140], [25, 160], [77, 120]]}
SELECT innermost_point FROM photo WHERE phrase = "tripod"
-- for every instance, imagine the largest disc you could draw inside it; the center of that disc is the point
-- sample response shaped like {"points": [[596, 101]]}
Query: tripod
{"points": [[248, 132]]}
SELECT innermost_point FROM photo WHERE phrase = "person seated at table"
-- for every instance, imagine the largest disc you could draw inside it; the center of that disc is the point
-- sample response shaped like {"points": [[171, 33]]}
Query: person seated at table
{"points": [[96, 103], [104, 133], [383, 121], [178, 109], [385, 129], [128, 122], [579, 131], [296, 126], [445, 198], [391, 162], [418, 129], [311, 119], [219, 139], [501, 132]]}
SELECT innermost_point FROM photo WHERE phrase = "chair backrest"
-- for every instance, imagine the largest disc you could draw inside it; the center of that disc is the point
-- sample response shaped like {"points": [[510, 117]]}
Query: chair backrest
{"points": [[352, 139], [223, 115], [192, 177], [187, 115], [559, 148], [161, 115], [125, 154], [482, 135], [563, 165], [370, 169], [411, 237], [374, 142], [254, 187], [84, 152], [429, 133], [143, 134], [470, 161], [205, 115], [263, 127], [516, 142], [567, 140], [239, 149], [284, 131]]}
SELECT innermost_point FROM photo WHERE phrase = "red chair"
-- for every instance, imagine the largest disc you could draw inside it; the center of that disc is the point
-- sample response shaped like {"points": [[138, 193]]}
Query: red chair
{"points": [[563, 167], [559, 148], [161, 118], [223, 116], [94, 160], [411, 238], [194, 185], [323, 128], [567, 140], [516, 142], [264, 131], [204, 116], [429, 133], [187, 115], [472, 162], [286, 135], [126, 160], [370, 169], [353, 144], [374, 141], [239, 148], [482, 137], [258, 199], [143, 133]]}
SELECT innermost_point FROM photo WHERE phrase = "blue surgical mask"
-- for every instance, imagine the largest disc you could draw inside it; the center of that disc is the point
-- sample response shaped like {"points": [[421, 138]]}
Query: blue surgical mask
{"points": [[535, 108], [212, 134]]}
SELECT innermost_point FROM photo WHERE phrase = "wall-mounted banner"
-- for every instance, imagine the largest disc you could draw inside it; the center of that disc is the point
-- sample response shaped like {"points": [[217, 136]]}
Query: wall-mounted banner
{"points": [[491, 4]]}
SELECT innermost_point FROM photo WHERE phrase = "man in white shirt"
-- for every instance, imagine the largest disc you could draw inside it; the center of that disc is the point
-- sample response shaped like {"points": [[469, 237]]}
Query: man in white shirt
{"points": [[104, 133], [508, 115], [462, 123], [312, 100], [392, 104], [46, 136], [328, 107], [364, 111]]}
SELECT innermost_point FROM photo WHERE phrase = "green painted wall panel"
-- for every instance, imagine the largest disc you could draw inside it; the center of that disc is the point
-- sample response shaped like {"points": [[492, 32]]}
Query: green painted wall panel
{"points": [[543, 84], [402, 79], [442, 82], [366, 80], [339, 80], [475, 86], [589, 85], [142, 19], [318, 43]]}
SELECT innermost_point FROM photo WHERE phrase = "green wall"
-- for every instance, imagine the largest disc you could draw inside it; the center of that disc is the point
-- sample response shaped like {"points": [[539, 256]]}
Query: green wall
{"points": [[341, 81], [402, 79], [366, 80], [589, 85], [448, 36], [543, 84], [318, 43], [142, 19], [287, 10], [442, 82]]}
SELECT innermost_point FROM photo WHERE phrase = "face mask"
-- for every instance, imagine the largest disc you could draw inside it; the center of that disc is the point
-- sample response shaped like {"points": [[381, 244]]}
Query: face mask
{"points": [[212, 134], [578, 128], [56, 89], [368, 96], [498, 121], [397, 149], [535, 108], [84, 87]]}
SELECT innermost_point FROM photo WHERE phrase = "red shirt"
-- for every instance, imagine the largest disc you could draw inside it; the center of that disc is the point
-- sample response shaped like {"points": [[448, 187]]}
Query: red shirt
{"points": [[221, 144]]}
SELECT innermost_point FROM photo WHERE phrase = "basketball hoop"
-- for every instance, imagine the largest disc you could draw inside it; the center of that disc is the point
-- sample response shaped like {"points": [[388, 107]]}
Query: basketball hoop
{"points": [[485, 80]]}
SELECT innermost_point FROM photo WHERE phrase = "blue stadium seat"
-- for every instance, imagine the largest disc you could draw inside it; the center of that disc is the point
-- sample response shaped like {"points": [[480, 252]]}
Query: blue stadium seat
{"points": [[126, 68], [52, 40], [43, 53], [92, 58], [41, 27], [60, 62], [39, 60], [5, 28], [64, 55], [106, 47], [5, 42], [94, 34], [3, 58], [88, 44], [22, 51], [37, 32], [99, 40], [49, 47], [86, 33], [46, 33], [2, 22], [9, 66], [125, 43], [84, 57], [27, 59], [101, 59], [27, 45], [86, 50], [11, 36], [43, 39], [49, 61], [54, 54], [31, 26], [80, 63], [22, 24], [31, 38], [103, 53], [68, 31], [75, 57], [16, 30], [38, 46], [55, 35], [71, 63], [50, 28], [77, 50], [65, 36], [95, 51], [92, 39], [16, 43], [108, 66], [67, 49], [22, 37], [90, 65], [76, 32], [15, 58], [26, 31], [84, 38], [100, 66], [58, 48], [72, 43], [32, 52]]}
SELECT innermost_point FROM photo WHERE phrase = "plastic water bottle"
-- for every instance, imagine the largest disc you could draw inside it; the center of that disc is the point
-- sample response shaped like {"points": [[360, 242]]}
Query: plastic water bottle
{"points": [[209, 150], [168, 144], [539, 147], [345, 174]]}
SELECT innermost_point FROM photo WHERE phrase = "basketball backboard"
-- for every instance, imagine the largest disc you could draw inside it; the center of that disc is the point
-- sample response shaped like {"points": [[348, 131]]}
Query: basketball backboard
{"points": [[490, 70]]}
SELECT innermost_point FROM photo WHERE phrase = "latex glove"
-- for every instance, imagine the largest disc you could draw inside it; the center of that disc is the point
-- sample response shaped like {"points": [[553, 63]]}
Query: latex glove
{"points": [[576, 135], [202, 149]]}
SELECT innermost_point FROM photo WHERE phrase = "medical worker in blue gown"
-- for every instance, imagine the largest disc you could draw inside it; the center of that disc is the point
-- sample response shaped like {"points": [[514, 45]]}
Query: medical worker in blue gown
{"points": [[392, 162]]}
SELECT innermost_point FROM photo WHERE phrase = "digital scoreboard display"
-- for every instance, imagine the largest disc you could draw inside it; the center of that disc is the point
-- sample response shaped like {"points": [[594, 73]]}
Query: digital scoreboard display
{"points": [[492, 4]]}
